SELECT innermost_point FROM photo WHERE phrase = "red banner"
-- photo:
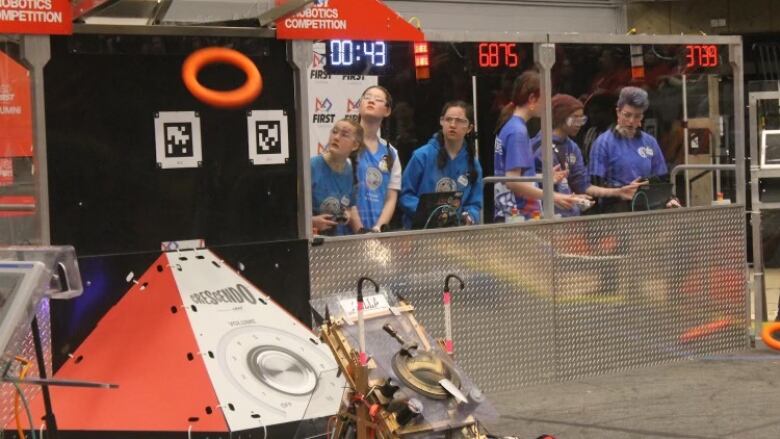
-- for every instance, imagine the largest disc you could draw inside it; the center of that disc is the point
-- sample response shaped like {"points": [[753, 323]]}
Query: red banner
{"points": [[35, 17], [16, 128], [346, 19]]}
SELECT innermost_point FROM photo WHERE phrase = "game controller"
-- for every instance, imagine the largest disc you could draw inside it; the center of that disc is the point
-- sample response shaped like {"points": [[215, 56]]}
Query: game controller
{"points": [[584, 203], [340, 218]]}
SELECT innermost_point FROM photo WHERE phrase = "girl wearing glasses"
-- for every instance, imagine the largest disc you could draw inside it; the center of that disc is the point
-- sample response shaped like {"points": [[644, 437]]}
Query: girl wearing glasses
{"points": [[513, 156], [446, 164], [377, 168], [332, 190], [567, 118]]}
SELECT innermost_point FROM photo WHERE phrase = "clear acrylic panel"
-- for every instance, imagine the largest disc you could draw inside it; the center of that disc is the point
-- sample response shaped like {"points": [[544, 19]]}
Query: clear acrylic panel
{"points": [[690, 90]]}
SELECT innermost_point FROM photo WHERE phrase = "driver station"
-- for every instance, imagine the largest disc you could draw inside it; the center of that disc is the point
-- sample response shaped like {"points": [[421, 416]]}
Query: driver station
{"points": [[176, 160]]}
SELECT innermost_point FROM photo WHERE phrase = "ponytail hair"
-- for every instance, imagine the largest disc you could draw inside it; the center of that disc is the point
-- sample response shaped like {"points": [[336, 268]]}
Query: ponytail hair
{"points": [[525, 86], [441, 158]]}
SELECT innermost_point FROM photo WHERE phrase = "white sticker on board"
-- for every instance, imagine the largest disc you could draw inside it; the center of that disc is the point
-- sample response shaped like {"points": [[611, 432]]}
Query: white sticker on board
{"points": [[370, 303], [177, 139], [266, 367], [267, 134]]}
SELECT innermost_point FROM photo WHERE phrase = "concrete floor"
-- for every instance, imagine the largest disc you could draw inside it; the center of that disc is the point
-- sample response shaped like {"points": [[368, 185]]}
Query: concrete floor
{"points": [[720, 396], [725, 396]]}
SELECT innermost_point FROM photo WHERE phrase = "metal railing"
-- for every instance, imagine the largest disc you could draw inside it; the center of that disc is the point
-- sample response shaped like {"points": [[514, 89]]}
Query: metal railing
{"points": [[677, 169], [535, 179]]}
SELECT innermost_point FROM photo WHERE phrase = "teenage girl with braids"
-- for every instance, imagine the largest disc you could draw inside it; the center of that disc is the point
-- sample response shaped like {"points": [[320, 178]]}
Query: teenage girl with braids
{"points": [[514, 157], [446, 164], [377, 168], [332, 187]]}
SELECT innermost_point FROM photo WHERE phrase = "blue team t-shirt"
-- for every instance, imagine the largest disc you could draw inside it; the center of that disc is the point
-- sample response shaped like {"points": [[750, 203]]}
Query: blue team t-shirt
{"points": [[331, 192], [422, 175], [577, 182], [373, 177], [513, 151], [620, 160]]}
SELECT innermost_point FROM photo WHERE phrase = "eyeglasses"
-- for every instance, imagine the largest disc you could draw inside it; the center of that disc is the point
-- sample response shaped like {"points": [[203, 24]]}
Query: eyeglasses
{"points": [[576, 121], [631, 116], [376, 99], [343, 133], [454, 121]]}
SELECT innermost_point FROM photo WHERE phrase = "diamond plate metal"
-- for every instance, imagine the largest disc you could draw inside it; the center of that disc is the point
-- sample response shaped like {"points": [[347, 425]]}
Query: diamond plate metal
{"points": [[554, 301], [27, 351], [646, 289]]}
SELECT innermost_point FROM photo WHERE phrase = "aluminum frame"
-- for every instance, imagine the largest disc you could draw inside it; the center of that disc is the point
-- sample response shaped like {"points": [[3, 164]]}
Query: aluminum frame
{"points": [[759, 280], [544, 46], [36, 50], [543, 43]]}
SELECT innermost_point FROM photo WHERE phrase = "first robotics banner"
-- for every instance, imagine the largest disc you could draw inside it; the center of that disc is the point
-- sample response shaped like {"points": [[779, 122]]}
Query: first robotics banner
{"points": [[35, 17], [332, 19], [331, 97]]}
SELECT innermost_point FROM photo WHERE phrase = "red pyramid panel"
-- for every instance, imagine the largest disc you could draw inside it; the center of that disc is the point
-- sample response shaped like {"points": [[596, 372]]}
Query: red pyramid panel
{"points": [[143, 346]]}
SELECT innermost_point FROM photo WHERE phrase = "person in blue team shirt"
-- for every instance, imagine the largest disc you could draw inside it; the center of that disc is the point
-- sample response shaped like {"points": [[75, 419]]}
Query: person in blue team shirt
{"points": [[446, 164], [378, 170], [624, 154], [333, 193], [567, 118], [513, 156]]}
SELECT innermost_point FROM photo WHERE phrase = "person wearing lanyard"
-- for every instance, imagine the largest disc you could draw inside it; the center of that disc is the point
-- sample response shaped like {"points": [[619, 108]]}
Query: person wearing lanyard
{"points": [[446, 164], [332, 190], [624, 154], [377, 168], [513, 156], [567, 118]]}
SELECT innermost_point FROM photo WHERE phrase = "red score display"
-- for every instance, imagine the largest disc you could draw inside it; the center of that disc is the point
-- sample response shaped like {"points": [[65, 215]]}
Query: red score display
{"points": [[701, 55], [498, 55]]}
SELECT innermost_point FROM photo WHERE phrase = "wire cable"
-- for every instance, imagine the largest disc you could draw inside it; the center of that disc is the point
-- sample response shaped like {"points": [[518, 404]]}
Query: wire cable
{"points": [[442, 208], [430, 217], [659, 56], [633, 201], [29, 414], [265, 430], [17, 416]]}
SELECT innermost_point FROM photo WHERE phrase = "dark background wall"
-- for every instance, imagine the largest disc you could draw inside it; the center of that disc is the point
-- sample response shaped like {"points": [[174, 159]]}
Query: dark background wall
{"points": [[107, 194], [111, 201]]}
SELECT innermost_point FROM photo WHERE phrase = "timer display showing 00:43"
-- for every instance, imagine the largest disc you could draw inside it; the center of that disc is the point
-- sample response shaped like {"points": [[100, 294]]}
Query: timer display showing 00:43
{"points": [[348, 53]]}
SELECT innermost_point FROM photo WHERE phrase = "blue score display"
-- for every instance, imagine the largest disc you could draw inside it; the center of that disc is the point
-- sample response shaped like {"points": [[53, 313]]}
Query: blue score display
{"points": [[358, 57]]}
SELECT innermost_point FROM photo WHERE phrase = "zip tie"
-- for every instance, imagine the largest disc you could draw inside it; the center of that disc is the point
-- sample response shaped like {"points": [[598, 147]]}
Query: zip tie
{"points": [[131, 278]]}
